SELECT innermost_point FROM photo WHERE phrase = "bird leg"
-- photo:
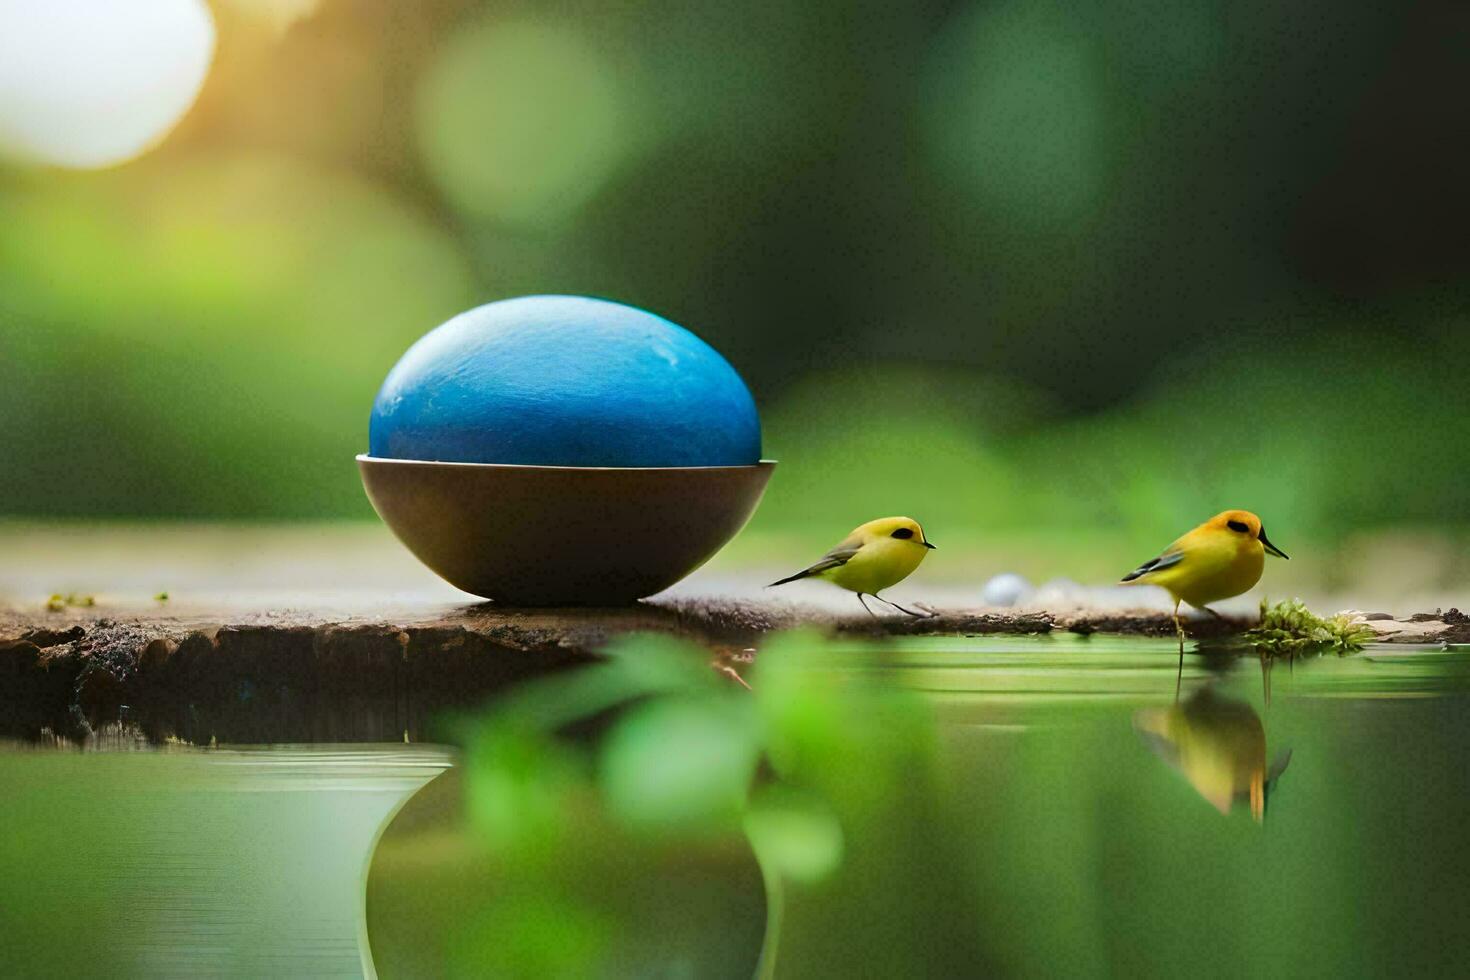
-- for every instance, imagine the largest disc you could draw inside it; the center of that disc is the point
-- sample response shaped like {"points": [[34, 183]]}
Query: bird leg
{"points": [[724, 663], [865, 605], [731, 673], [900, 608], [1179, 628]]}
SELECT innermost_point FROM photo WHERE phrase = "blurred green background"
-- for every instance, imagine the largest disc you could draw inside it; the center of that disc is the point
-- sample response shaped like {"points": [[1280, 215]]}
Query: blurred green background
{"points": [[1019, 268]]}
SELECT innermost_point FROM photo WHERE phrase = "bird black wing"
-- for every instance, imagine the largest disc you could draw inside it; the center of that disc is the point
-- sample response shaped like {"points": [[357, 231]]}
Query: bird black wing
{"points": [[837, 556], [1167, 560]]}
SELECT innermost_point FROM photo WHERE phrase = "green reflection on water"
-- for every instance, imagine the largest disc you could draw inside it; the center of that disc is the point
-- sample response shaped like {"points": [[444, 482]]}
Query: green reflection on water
{"points": [[1094, 856], [1078, 821]]}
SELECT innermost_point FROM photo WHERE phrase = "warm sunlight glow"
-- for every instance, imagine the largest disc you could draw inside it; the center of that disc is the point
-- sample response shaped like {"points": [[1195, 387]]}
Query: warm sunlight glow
{"points": [[92, 83]]}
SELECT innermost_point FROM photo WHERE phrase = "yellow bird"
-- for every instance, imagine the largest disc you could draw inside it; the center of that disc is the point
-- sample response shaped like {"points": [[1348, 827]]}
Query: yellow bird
{"points": [[1219, 745], [1223, 557], [874, 556]]}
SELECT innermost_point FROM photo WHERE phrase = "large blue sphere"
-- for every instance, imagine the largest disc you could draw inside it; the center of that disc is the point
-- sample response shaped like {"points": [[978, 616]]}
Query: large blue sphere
{"points": [[564, 381]]}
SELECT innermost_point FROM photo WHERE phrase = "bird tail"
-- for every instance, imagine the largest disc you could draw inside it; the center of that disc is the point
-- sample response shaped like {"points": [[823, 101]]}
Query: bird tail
{"points": [[790, 578]]}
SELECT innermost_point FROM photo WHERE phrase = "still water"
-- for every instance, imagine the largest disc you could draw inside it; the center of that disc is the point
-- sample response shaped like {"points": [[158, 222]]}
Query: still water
{"points": [[191, 863], [1306, 819]]}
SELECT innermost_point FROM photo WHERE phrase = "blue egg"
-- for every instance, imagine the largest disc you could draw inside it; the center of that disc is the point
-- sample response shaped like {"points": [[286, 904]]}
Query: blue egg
{"points": [[564, 381]]}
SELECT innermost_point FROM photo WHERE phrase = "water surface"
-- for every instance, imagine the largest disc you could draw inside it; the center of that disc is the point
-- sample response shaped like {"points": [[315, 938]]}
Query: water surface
{"points": [[190, 862], [1114, 829], [1304, 818]]}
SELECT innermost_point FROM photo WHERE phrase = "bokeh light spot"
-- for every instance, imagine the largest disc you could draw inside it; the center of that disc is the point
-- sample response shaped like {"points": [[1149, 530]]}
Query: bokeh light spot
{"points": [[523, 122], [86, 84], [1013, 113], [278, 15]]}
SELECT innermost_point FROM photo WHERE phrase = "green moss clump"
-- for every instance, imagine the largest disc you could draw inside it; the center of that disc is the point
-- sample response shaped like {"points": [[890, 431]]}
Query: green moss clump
{"points": [[59, 602], [1289, 629]]}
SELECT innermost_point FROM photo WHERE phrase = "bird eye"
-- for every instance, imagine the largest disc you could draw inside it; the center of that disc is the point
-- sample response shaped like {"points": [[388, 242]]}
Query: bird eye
{"points": [[903, 533], [1237, 526]]}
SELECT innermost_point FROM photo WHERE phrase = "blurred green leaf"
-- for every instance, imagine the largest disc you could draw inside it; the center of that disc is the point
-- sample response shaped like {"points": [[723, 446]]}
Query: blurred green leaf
{"points": [[795, 834], [521, 788], [681, 762]]}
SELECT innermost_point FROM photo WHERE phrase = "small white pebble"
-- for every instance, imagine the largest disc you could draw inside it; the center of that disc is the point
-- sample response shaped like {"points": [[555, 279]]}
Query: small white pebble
{"points": [[1006, 589], [1060, 592]]}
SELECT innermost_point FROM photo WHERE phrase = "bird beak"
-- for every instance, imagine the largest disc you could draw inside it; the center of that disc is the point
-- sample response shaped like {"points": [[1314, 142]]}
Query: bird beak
{"points": [[930, 546], [1271, 548]]}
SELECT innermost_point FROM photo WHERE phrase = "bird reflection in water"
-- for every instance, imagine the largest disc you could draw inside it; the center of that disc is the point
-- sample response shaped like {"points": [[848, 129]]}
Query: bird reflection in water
{"points": [[1218, 744]]}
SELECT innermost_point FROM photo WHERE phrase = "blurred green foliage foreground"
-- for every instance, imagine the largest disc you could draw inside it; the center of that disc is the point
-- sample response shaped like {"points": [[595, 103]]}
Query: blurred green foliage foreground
{"points": [[650, 817], [1017, 266]]}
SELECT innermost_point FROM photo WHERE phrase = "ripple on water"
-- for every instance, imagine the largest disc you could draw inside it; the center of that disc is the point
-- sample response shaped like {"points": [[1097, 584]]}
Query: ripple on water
{"points": [[183, 862]]}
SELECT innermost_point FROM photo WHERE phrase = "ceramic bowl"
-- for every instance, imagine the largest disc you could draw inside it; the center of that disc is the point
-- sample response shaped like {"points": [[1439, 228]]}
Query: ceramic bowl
{"points": [[562, 535]]}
